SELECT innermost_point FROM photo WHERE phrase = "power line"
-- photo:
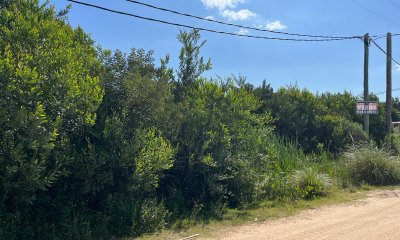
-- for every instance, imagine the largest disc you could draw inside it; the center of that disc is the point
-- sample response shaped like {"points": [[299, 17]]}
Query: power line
{"points": [[380, 48], [237, 25], [379, 37], [205, 29], [380, 93], [374, 13], [384, 36], [394, 3]]}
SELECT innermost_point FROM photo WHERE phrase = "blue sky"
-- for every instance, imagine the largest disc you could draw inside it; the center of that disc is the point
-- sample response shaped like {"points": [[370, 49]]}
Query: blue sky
{"points": [[319, 67]]}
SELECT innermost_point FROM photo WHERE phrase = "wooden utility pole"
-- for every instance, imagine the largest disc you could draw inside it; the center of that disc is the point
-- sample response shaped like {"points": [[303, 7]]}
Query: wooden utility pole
{"points": [[389, 88], [366, 90]]}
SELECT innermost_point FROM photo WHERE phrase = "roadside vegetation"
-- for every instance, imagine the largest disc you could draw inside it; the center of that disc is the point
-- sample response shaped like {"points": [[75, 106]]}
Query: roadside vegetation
{"points": [[101, 144]]}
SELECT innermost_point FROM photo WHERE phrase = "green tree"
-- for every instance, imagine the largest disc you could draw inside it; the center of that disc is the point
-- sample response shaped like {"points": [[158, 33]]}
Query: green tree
{"points": [[296, 112], [49, 95], [264, 93], [192, 65], [126, 154], [219, 143]]}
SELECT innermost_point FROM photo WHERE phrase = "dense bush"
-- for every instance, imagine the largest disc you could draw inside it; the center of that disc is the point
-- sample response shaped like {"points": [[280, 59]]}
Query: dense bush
{"points": [[49, 96], [371, 165]]}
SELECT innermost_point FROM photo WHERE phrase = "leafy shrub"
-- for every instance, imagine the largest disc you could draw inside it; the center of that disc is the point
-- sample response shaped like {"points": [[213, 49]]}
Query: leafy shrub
{"points": [[309, 183], [370, 165], [153, 217], [337, 132], [273, 186]]}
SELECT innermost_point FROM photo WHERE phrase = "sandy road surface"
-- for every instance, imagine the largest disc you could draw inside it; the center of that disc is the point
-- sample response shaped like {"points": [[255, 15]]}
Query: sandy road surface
{"points": [[377, 217]]}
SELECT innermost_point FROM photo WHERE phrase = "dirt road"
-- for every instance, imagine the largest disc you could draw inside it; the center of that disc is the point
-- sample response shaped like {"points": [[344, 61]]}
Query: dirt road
{"points": [[377, 217]]}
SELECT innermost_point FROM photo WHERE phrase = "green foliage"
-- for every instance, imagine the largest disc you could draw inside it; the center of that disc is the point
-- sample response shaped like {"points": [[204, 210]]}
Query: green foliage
{"points": [[309, 119], [49, 94], [366, 164], [341, 104], [61, 178], [281, 158], [339, 132], [191, 64], [378, 125], [395, 141], [98, 144], [296, 112], [155, 155], [264, 93], [309, 183], [218, 144], [131, 155]]}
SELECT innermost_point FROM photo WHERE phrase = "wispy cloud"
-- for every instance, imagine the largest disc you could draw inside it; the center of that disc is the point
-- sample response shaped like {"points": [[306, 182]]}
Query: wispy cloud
{"points": [[222, 4], [276, 25], [210, 17], [397, 68], [240, 15], [242, 31], [228, 9]]}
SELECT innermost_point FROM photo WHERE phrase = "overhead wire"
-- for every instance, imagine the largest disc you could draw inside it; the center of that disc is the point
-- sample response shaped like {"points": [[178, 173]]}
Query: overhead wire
{"points": [[380, 93], [324, 38], [383, 36], [238, 25], [374, 13], [205, 29], [378, 37], [394, 3], [380, 48]]}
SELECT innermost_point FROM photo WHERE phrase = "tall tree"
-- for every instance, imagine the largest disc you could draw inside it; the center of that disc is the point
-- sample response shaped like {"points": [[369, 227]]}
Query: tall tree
{"points": [[49, 95], [192, 65]]}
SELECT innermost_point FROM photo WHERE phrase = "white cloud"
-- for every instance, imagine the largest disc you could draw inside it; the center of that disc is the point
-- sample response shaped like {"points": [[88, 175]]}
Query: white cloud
{"points": [[398, 68], [210, 17], [240, 15], [276, 25], [242, 31], [222, 4]]}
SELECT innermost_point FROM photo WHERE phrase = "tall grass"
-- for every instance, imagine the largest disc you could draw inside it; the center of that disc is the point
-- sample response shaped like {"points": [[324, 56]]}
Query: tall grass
{"points": [[285, 155], [310, 183], [291, 174], [368, 164]]}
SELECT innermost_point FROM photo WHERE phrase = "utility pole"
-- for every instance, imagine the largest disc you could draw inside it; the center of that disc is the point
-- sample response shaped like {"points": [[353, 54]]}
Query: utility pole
{"points": [[389, 103], [366, 91]]}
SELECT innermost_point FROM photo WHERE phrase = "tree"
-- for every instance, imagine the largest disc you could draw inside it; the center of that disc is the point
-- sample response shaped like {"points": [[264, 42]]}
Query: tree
{"points": [[296, 112], [49, 95], [264, 93], [191, 64], [127, 153]]}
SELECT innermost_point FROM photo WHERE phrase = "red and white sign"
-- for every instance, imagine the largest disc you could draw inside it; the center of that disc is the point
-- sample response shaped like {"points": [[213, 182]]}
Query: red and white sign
{"points": [[367, 108]]}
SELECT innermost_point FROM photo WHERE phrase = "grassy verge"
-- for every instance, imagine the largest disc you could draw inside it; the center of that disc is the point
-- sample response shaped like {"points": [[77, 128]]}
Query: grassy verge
{"points": [[265, 211]]}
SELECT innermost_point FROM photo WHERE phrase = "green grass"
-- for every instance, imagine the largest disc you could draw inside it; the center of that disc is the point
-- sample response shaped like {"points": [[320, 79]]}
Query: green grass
{"points": [[266, 210], [370, 165]]}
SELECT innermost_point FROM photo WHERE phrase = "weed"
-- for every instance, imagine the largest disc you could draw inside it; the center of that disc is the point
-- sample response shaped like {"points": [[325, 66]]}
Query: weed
{"points": [[309, 183], [366, 164]]}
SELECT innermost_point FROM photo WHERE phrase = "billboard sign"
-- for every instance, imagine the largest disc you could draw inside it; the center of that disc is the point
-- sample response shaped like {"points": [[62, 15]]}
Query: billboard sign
{"points": [[367, 108]]}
